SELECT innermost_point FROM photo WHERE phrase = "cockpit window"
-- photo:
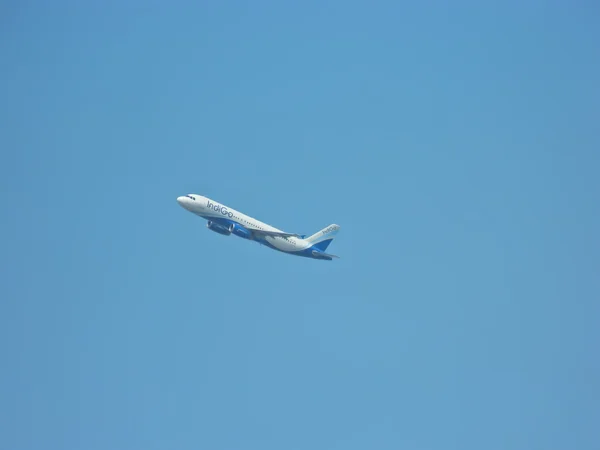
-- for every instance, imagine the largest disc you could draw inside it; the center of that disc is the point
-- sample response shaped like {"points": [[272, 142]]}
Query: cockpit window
{"points": [[189, 196]]}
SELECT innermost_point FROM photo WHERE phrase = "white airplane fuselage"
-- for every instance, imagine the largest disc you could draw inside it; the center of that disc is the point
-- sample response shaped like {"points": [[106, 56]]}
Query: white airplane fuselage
{"points": [[226, 221]]}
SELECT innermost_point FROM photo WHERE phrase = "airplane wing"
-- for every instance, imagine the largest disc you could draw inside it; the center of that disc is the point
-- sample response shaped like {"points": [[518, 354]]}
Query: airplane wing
{"points": [[264, 233]]}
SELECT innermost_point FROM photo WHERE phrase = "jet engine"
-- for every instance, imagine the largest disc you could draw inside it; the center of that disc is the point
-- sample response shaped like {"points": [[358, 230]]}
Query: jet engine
{"points": [[218, 228], [240, 231]]}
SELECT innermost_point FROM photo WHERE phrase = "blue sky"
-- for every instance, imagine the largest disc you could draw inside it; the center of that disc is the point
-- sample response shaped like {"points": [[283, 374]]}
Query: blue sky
{"points": [[456, 146]]}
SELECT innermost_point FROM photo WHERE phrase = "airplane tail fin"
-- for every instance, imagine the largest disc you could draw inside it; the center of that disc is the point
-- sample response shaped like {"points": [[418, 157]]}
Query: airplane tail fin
{"points": [[322, 239]]}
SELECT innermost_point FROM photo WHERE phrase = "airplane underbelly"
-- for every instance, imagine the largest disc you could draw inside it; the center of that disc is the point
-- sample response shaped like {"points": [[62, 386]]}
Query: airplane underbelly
{"points": [[282, 244]]}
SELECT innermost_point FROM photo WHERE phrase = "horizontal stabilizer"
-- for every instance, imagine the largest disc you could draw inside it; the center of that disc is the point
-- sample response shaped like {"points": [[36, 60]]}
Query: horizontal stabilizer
{"points": [[323, 255]]}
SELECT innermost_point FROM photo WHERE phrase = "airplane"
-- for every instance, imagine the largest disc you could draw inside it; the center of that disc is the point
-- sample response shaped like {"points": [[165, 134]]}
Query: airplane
{"points": [[227, 221]]}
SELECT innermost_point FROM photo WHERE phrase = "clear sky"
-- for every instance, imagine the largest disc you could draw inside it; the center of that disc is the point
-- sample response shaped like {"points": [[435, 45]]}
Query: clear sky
{"points": [[457, 146]]}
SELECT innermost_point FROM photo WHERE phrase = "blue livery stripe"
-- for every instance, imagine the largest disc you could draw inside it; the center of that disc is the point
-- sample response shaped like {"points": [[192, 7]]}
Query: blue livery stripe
{"points": [[323, 244]]}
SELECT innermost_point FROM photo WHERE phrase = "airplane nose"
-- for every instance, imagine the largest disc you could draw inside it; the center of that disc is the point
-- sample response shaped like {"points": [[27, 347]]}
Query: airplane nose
{"points": [[181, 200]]}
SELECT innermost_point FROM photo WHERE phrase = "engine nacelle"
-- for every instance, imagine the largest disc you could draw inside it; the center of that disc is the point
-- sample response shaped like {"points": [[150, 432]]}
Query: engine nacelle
{"points": [[240, 231], [218, 228]]}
